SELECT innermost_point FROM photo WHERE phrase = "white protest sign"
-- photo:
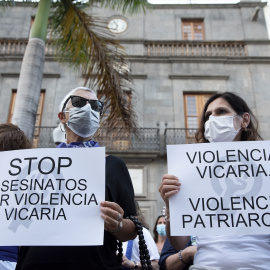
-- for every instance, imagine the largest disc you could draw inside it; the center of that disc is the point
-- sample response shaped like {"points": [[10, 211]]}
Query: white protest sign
{"points": [[225, 188], [51, 196]]}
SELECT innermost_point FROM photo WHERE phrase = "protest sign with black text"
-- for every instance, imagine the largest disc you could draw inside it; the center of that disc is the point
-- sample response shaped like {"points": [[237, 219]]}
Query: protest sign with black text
{"points": [[225, 188], [51, 196]]}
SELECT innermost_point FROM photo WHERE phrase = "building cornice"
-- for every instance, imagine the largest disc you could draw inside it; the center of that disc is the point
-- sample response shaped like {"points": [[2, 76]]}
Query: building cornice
{"points": [[199, 59], [258, 42], [22, 4], [16, 75], [175, 6], [198, 77], [145, 41], [166, 59], [139, 76], [209, 6]]}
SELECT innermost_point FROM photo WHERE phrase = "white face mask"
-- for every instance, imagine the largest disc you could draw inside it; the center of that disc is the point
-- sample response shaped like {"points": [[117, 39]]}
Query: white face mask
{"points": [[220, 129], [83, 121]]}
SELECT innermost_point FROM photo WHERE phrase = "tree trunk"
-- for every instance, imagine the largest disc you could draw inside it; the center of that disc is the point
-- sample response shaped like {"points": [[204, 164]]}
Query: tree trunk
{"points": [[29, 86], [31, 74]]}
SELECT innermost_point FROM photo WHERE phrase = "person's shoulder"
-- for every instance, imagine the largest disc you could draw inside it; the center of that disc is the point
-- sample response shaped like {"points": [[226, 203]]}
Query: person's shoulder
{"points": [[147, 232], [145, 229], [114, 160]]}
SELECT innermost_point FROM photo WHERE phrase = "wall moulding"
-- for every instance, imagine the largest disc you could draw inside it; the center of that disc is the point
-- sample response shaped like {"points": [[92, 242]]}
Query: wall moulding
{"points": [[198, 77]]}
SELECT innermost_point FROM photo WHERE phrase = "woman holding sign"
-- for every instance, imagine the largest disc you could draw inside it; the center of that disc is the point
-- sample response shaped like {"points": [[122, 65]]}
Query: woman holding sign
{"points": [[80, 115], [226, 118]]}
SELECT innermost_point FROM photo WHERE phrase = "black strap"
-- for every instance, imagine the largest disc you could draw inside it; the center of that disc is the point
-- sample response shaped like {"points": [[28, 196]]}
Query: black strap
{"points": [[144, 252]]}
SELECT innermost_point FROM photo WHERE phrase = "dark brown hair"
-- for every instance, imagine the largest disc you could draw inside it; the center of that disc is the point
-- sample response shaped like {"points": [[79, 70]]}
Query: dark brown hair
{"points": [[12, 138], [140, 216], [155, 227], [240, 106]]}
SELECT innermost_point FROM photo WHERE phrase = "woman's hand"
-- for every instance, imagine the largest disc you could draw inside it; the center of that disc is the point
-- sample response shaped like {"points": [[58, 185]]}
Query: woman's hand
{"points": [[112, 213], [169, 186], [122, 229], [127, 263], [188, 253], [173, 263]]}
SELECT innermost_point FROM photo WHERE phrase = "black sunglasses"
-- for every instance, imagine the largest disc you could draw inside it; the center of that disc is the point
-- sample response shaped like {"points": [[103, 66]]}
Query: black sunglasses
{"points": [[79, 102]]}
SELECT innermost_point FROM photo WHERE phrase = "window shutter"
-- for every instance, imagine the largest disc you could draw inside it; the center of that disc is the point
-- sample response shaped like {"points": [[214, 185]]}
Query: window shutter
{"points": [[192, 29], [193, 104]]}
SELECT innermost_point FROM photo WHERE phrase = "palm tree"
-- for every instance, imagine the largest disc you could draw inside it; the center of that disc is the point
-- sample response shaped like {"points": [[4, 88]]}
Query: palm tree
{"points": [[81, 41]]}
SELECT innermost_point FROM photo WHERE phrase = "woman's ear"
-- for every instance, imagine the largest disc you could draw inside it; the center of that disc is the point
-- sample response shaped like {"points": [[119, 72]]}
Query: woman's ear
{"points": [[246, 120], [62, 117]]}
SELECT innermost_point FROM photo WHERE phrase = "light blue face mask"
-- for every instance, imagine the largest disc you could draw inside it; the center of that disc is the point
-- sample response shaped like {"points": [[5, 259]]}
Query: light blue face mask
{"points": [[161, 229], [83, 121]]}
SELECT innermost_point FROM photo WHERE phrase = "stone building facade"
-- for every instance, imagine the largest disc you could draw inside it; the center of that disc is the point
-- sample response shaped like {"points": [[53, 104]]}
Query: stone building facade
{"points": [[178, 56]]}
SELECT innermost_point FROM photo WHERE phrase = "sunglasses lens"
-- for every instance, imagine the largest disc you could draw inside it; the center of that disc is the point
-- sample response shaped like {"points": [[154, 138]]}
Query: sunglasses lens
{"points": [[95, 105], [78, 101]]}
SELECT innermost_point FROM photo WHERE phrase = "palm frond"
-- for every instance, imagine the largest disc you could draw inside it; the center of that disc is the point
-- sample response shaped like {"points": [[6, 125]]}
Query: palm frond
{"points": [[83, 41]]}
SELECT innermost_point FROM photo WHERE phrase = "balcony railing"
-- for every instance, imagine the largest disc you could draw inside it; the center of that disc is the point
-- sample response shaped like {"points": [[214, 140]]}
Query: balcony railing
{"points": [[152, 48], [147, 139], [17, 47], [179, 135], [196, 48], [45, 138]]}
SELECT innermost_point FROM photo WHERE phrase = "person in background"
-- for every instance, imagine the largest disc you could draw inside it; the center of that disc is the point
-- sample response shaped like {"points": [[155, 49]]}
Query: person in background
{"points": [[11, 138], [226, 118], [79, 114], [160, 232], [131, 259]]}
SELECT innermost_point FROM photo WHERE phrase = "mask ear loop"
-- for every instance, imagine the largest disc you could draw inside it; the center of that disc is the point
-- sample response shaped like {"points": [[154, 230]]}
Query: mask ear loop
{"points": [[62, 128], [241, 125]]}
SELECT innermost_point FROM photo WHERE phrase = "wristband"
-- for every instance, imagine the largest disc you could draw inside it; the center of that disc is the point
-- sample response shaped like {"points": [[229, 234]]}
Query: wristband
{"points": [[180, 257]]}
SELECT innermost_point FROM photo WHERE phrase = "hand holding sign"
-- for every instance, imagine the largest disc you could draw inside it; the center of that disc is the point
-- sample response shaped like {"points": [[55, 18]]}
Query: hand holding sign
{"points": [[169, 186], [112, 214]]}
